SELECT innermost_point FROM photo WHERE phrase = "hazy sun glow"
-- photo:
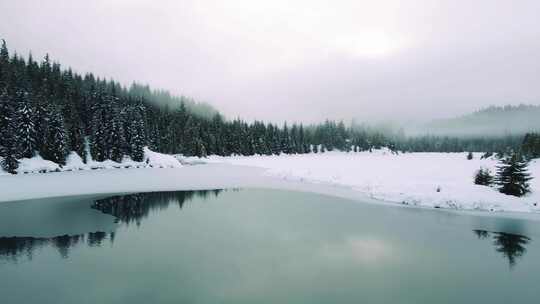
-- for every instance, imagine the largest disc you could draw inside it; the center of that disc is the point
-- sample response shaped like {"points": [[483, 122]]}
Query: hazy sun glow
{"points": [[369, 43]]}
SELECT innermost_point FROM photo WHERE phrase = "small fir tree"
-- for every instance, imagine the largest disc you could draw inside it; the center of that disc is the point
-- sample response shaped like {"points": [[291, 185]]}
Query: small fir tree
{"points": [[470, 156], [512, 175], [483, 177]]}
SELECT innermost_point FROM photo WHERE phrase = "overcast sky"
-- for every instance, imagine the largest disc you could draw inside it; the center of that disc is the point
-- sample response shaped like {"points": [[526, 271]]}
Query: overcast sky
{"points": [[298, 60]]}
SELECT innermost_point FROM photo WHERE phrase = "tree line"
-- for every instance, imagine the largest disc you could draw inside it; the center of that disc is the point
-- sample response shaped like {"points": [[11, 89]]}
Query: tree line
{"points": [[51, 111]]}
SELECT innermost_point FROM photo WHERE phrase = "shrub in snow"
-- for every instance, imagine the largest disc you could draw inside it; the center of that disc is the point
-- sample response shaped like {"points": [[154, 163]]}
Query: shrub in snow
{"points": [[470, 156], [483, 177]]}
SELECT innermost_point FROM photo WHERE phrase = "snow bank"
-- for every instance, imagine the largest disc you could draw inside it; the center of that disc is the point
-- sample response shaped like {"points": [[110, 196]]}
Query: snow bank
{"points": [[74, 162], [36, 164], [438, 180], [159, 160]]}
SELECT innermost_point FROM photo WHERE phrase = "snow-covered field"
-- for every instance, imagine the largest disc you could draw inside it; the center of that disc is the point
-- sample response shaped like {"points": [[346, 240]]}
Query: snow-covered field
{"points": [[440, 180], [434, 180]]}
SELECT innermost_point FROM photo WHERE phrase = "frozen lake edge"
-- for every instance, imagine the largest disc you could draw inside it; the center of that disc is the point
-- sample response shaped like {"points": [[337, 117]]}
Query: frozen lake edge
{"points": [[188, 178]]}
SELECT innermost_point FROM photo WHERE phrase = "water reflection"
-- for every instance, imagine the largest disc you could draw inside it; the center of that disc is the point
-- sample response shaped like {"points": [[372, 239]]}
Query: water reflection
{"points": [[134, 208], [14, 248], [127, 209], [512, 246]]}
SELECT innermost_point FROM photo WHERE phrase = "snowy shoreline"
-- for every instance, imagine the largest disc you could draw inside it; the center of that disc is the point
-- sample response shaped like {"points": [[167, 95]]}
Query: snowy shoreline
{"points": [[188, 178], [432, 180], [410, 179]]}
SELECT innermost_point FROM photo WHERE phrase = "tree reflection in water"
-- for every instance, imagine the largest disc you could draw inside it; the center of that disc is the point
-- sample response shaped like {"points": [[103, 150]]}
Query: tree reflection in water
{"points": [[134, 208], [15, 247], [512, 246], [126, 208]]}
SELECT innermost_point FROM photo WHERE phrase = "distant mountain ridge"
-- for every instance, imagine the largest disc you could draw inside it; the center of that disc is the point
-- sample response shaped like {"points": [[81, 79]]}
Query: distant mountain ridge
{"points": [[490, 121]]}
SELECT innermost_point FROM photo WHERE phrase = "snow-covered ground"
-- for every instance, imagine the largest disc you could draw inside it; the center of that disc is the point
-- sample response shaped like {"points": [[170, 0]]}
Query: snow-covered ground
{"points": [[434, 180], [439, 180], [74, 162]]}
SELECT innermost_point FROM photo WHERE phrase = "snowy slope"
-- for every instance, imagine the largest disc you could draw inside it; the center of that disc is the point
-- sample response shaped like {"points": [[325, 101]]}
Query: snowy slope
{"points": [[74, 162], [411, 178]]}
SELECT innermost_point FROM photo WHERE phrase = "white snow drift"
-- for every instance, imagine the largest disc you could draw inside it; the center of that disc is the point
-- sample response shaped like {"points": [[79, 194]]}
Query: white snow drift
{"points": [[74, 162], [440, 180]]}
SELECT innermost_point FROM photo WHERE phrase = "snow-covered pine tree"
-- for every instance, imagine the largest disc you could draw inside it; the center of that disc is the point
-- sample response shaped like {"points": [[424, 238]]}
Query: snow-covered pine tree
{"points": [[56, 143], [7, 110], [41, 118], [8, 134], [116, 140], [137, 133], [512, 175], [285, 140], [189, 135], [293, 142], [4, 65], [26, 128], [98, 141]]}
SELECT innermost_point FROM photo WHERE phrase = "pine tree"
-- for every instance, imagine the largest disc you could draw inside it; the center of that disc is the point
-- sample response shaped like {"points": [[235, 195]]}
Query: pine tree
{"points": [[26, 128], [98, 144], [7, 112], [512, 175], [470, 156], [137, 134], [56, 138], [41, 118], [4, 65], [116, 142], [114, 128], [531, 145], [8, 134]]}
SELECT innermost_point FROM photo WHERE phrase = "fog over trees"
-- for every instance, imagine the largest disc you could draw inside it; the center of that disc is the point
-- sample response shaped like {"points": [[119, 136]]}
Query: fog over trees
{"points": [[50, 111]]}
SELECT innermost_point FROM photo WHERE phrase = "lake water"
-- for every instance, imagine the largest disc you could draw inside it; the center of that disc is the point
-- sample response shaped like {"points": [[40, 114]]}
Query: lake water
{"points": [[260, 246]]}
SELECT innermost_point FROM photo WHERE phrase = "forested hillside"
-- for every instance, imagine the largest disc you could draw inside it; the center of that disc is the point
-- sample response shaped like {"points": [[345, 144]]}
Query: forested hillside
{"points": [[491, 121], [51, 111]]}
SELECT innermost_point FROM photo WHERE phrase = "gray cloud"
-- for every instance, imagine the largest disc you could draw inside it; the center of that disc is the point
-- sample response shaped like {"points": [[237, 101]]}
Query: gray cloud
{"points": [[298, 60]]}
